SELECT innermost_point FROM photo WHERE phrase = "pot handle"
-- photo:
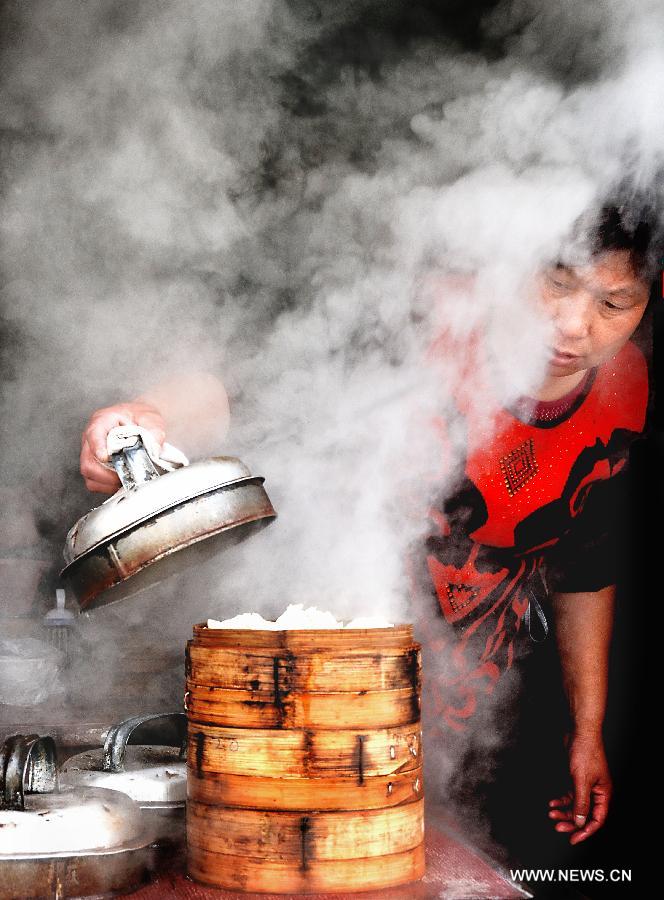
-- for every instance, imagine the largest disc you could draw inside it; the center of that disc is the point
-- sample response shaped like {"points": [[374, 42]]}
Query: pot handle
{"points": [[118, 736], [133, 463], [27, 766]]}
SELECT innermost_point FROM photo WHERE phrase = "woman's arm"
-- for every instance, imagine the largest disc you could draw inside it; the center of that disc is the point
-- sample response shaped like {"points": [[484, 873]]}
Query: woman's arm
{"points": [[190, 411], [584, 622], [195, 411]]}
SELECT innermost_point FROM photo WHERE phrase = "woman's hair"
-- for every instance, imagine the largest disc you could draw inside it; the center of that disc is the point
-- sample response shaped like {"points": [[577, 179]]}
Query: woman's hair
{"points": [[634, 227]]}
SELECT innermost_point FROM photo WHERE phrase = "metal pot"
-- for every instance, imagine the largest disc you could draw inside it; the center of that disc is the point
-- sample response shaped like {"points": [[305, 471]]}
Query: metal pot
{"points": [[29, 671], [152, 771], [160, 519], [73, 843]]}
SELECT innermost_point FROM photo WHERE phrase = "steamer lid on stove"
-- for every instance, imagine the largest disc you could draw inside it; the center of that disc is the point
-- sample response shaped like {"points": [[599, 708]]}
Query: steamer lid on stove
{"points": [[151, 770], [39, 821]]}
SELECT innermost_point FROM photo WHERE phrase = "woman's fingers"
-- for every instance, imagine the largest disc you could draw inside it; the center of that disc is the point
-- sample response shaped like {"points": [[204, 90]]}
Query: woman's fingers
{"points": [[559, 815], [599, 812], [98, 488], [97, 477], [568, 814]]}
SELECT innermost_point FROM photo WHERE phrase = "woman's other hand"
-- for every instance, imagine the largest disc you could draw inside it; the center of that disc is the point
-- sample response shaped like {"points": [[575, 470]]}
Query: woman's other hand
{"points": [[583, 810]]}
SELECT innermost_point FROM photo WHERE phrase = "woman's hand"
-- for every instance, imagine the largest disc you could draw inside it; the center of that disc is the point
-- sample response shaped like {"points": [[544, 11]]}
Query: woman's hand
{"points": [[93, 443], [583, 810], [584, 621]]}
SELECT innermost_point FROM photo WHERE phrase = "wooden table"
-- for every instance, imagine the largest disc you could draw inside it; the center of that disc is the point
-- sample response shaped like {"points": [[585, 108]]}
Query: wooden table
{"points": [[455, 871]]}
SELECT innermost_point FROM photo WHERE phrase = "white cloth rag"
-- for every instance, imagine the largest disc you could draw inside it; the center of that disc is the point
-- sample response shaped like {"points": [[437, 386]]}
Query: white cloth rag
{"points": [[167, 458]]}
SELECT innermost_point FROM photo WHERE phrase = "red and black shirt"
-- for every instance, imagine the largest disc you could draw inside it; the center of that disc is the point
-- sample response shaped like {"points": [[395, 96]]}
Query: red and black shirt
{"points": [[537, 493]]}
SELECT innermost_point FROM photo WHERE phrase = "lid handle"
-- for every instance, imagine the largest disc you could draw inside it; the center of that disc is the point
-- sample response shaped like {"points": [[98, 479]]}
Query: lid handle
{"points": [[173, 726], [133, 464], [27, 766]]}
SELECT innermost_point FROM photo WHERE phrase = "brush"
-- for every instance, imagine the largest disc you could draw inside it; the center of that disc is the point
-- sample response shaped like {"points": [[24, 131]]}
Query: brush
{"points": [[59, 622]]}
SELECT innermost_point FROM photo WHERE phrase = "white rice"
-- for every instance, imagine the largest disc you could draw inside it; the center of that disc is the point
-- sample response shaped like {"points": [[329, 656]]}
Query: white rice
{"points": [[296, 617]]}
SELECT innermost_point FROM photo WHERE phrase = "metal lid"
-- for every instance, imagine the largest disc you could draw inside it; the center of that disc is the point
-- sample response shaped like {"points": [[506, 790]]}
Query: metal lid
{"points": [[70, 821], [36, 820], [128, 508], [150, 774], [154, 772]]}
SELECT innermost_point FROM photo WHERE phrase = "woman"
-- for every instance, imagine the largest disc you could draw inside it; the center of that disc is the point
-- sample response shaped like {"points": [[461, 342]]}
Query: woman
{"points": [[536, 511]]}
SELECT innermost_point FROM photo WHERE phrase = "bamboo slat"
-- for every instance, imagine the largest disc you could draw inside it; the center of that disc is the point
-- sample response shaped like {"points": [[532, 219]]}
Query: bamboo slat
{"points": [[262, 672], [305, 837], [248, 709], [336, 876], [298, 753], [343, 640], [301, 794]]}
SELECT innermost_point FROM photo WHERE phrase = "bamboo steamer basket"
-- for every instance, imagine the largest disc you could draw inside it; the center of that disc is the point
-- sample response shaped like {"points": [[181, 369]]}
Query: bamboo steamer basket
{"points": [[304, 763]]}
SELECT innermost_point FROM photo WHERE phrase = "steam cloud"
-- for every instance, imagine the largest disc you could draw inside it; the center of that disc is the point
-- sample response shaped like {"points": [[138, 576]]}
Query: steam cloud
{"points": [[296, 197]]}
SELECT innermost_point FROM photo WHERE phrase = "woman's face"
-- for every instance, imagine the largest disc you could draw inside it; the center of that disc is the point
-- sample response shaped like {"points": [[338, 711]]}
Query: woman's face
{"points": [[593, 308]]}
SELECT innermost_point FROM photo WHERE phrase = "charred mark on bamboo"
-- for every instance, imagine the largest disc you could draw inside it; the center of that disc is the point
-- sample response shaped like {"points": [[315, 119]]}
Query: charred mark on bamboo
{"points": [[287, 665], [308, 751], [255, 684], [200, 743], [361, 762], [414, 678], [289, 662], [415, 706], [305, 832], [278, 695], [414, 668]]}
